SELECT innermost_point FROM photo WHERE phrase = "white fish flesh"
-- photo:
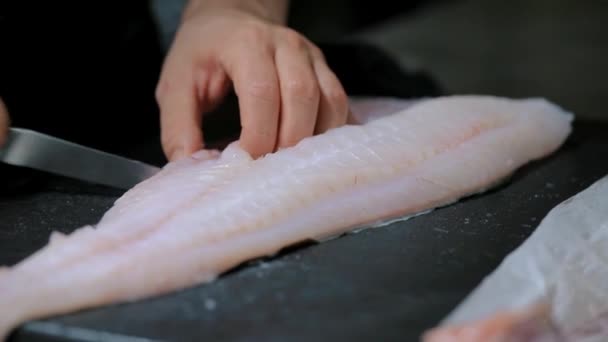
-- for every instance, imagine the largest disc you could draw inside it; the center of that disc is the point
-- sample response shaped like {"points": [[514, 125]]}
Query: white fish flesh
{"points": [[204, 214], [552, 288], [530, 324]]}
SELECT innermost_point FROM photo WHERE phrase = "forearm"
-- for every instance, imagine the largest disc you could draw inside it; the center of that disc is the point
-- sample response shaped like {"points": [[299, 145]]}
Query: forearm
{"points": [[272, 10]]}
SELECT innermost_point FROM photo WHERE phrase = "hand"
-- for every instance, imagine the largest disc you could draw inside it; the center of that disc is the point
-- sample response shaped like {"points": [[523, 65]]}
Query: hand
{"points": [[4, 123], [285, 89]]}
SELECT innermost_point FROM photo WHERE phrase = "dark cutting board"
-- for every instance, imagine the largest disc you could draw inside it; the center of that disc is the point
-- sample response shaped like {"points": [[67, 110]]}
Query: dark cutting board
{"points": [[389, 283]]}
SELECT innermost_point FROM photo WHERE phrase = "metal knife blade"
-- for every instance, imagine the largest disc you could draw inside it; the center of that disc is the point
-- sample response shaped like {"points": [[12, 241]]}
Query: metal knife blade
{"points": [[46, 153]]}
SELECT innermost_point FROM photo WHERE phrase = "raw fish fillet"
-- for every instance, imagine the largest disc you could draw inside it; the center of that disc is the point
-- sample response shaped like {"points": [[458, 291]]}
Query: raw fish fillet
{"points": [[552, 288], [532, 324], [204, 214]]}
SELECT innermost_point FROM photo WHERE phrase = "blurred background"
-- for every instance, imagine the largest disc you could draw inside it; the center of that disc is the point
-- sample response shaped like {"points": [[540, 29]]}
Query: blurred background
{"points": [[556, 49]]}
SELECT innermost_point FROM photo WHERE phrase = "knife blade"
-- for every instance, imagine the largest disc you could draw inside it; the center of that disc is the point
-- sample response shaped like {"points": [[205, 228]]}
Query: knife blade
{"points": [[46, 153]]}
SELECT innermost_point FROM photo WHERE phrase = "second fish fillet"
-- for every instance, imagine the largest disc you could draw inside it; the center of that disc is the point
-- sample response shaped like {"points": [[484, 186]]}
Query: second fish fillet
{"points": [[203, 215]]}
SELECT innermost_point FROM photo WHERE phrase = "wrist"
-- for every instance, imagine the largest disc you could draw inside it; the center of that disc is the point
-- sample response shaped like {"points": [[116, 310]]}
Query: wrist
{"points": [[274, 11]]}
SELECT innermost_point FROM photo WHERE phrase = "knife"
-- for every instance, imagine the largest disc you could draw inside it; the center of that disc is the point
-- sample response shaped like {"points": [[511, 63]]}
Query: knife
{"points": [[46, 153]]}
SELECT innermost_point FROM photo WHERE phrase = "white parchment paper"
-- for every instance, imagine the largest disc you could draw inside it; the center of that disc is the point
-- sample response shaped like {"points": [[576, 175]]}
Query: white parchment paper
{"points": [[565, 262]]}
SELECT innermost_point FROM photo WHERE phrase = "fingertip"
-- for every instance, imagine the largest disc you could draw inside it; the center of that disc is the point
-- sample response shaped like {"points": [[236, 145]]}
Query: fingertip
{"points": [[257, 147], [204, 155], [179, 152], [171, 150], [182, 143], [177, 155]]}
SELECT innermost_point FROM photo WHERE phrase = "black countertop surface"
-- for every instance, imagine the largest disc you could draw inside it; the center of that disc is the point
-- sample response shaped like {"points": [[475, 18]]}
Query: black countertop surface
{"points": [[388, 283]]}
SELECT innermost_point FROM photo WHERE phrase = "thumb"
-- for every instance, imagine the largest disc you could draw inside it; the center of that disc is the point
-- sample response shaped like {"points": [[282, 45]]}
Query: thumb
{"points": [[4, 123], [180, 115]]}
